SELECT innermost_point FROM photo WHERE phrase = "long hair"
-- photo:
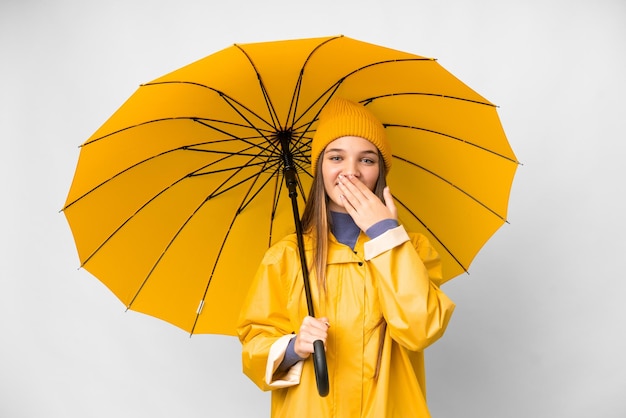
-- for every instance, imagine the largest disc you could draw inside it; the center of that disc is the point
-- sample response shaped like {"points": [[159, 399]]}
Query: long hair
{"points": [[316, 219]]}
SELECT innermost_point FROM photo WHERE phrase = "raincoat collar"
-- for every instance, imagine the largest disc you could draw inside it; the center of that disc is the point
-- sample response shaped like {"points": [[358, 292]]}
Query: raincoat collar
{"points": [[344, 228], [337, 252], [341, 253]]}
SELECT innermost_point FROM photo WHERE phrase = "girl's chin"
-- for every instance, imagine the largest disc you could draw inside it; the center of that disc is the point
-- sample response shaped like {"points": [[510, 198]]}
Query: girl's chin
{"points": [[334, 207]]}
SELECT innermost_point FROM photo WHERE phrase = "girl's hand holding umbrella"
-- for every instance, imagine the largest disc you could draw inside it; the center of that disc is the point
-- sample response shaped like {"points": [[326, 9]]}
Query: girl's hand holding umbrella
{"points": [[311, 330]]}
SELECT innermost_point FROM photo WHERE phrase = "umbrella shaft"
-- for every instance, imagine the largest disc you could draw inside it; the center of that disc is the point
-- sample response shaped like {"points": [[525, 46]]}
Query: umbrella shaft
{"points": [[291, 181], [305, 270], [289, 169]]}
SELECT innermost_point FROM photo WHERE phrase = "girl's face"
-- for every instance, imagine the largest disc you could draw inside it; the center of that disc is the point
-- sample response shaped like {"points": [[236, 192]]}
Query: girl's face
{"points": [[348, 155]]}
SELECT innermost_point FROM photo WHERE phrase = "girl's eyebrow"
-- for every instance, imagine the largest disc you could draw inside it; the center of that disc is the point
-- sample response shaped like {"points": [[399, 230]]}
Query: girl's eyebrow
{"points": [[335, 150], [343, 150]]}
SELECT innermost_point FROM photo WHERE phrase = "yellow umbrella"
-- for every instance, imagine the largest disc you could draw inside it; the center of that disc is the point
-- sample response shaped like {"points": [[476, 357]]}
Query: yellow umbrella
{"points": [[178, 195]]}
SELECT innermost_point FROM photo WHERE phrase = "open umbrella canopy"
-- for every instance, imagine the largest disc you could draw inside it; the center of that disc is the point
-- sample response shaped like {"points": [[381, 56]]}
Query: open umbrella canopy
{"points": [[178, 195]]}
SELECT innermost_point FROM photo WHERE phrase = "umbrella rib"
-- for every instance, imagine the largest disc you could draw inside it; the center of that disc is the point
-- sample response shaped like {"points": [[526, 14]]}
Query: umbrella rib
{"points": [[253, 144], [229, 100], [330, 91], [191, 174], [183, 148], [239, 168], [237, 212], [275, 167], [261, 133], [335, 86], [295, 98], [192, 118], [230, 154], [182, 227], [278, 186], [431, 232], [186, 147], [304, 129], [291, 115], [93, 189], [278, 189], [268, 102], [167, 247], [452, 185], [367, 101], [391, 125], [223, 170], [255, 175], [95, 251]]}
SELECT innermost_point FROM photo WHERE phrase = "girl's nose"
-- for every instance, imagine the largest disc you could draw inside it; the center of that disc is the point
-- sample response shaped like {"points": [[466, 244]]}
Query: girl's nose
{"points": [[351, 168]]}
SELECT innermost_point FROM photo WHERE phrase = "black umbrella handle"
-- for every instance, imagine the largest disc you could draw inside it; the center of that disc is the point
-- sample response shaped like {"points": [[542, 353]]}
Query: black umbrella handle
{"points": [[321, 368]]}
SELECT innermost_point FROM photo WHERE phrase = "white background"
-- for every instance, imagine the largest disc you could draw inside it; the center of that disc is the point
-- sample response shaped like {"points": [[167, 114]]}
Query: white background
{"points": [[539, 327]]}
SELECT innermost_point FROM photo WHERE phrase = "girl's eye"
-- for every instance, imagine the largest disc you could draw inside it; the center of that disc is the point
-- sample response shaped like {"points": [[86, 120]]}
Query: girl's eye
{"points": [[368, 161], [334, 158]]}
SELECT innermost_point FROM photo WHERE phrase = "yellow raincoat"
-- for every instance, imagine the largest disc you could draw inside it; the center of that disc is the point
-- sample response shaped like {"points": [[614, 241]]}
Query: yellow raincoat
{"points": [[394, 276]]}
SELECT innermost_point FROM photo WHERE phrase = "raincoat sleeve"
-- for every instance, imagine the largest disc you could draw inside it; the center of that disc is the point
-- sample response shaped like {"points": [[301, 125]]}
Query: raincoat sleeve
{"points": [[264, 327], [407, 272]]}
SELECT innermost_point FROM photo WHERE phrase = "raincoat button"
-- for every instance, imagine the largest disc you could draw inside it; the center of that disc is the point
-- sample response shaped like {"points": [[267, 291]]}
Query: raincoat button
{"points": [[360, 263]]}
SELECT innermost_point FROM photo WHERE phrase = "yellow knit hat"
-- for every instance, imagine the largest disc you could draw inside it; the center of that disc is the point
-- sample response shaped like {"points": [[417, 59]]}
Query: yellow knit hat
{"points": [[341, 117]]}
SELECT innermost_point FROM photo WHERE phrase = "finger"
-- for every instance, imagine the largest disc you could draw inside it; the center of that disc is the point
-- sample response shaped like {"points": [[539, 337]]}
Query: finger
{"points": [[321, 322], [347, 205], [324, 321], [314, 328], [319, 325], [349, 191], [357, 187], [355, 192], [390, 203]]}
